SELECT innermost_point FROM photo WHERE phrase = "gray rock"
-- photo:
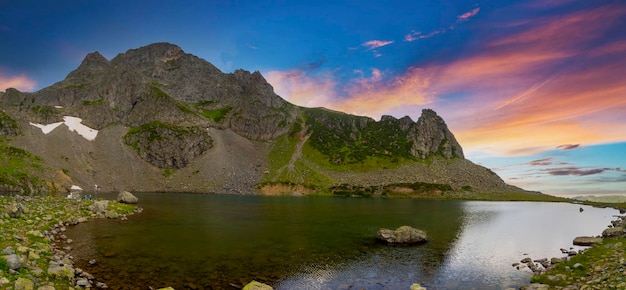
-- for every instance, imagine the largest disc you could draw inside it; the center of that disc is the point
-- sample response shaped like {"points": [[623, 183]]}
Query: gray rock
{"points": [[24, 284], [60, 270], [586, 241], [7, 251], [402, 235], [556, 260], [83, 282], [111, 214], [613, 232], [99, 206], [127, 197], [13, 261], [578, 266]]}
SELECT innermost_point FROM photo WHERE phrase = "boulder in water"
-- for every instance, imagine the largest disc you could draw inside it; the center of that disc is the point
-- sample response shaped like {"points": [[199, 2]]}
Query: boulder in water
{"points": [[586, 241], [402, 235], [127, 197]]}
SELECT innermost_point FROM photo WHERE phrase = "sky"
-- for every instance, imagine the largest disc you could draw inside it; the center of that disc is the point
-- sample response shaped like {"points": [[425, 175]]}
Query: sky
{"points": [[534, 90]]}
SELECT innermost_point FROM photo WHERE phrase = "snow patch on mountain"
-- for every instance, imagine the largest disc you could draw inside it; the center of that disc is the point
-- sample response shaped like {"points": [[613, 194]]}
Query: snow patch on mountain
{"points": [[74, 124]]}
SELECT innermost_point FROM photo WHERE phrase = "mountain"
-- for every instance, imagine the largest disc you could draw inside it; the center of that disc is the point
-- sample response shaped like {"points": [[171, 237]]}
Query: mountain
{"points": [[158, 119]]}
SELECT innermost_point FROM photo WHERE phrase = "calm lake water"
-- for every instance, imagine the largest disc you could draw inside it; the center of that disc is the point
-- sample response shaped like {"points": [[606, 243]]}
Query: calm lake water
{"points": [[192, 241]]}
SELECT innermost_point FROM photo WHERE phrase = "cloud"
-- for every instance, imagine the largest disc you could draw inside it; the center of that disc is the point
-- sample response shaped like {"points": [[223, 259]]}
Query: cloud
{"points": [[299, 87], [375, 97], [568, 146], [540, 79], [362, 96], [575, 171], [542, 162], [416, 35], [373, 44], [20, 82], [536, 80], [467, 15]]}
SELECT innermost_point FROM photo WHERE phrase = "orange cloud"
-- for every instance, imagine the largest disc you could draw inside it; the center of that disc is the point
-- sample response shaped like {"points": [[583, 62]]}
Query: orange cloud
{"points": [[297, 87], [374, 97], [363, 96], [546, 85], [21, 82]]}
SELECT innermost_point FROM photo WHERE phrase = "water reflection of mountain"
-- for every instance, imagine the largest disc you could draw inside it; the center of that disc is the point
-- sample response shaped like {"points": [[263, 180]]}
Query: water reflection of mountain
{"points": [[216, 241]]}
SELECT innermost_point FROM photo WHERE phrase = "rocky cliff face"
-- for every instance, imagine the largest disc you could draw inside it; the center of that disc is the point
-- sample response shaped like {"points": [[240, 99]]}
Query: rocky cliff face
{"points": [[170, 121]]}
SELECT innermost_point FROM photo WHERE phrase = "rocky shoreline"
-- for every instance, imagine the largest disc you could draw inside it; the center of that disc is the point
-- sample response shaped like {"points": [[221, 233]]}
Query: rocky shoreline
{"points": [[602, 266], [34, 249]]}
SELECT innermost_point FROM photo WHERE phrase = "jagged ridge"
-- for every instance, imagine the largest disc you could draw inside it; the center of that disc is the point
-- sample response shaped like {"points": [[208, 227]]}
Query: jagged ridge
{"points": [[161, 84]]}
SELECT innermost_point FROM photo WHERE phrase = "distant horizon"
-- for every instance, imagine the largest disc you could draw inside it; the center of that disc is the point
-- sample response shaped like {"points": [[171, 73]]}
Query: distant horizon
{"points": [[533, 90]]}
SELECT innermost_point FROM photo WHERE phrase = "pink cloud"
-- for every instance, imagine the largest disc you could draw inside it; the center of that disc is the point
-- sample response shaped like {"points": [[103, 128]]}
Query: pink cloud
{"points": [[20, 82], [467, 15], [373, 44], [416, 35], [538, 84], [301, 89]]}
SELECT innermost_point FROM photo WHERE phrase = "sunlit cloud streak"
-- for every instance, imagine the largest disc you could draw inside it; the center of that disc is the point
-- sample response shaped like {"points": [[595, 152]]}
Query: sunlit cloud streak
{"points": [[20, 82], [373, 44], [467, 15], [417, 35], [568, 146]]}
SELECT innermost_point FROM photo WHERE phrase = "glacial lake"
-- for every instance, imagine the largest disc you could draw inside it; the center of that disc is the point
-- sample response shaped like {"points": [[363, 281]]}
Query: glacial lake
{"points": [[192, 241]]}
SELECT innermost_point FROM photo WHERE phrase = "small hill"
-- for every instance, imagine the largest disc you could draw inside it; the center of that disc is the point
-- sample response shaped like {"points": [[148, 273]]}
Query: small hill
{"points": [[158, 119]]}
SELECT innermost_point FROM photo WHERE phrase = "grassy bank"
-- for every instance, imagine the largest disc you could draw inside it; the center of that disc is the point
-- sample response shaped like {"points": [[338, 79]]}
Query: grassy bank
{"points": [[27, 227], [602, 266]]}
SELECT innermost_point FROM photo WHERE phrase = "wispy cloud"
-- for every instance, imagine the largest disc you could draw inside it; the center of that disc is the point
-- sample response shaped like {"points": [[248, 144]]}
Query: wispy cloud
{"points": [[373, 44], [20, 82], [417, 35], [568, 146], [575, 171], [542, 162], [467, 15]]}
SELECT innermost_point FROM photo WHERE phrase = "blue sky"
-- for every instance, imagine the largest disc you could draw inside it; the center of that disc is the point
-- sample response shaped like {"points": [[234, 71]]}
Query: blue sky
{"points": [[533, 89]]}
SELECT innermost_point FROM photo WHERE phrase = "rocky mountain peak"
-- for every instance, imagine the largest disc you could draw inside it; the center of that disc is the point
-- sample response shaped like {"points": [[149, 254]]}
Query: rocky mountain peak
{"points": [[92, 64], [150, 54], [431, 135]]}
